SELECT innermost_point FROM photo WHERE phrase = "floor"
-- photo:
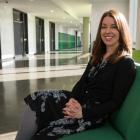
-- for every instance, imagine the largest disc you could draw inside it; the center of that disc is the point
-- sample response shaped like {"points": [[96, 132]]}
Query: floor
{"points": [[24, 75]]}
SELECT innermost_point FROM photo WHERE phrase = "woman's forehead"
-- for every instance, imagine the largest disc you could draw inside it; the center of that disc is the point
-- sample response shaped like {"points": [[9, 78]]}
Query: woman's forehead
{"points": [[108, 20]]}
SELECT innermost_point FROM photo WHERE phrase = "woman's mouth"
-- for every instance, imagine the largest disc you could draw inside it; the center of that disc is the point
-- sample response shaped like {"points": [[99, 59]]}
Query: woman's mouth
{"points": [[108, 38]]}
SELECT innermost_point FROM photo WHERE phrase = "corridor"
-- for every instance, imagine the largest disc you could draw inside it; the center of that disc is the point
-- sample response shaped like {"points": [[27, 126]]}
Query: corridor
{"points": [[24, 75]]}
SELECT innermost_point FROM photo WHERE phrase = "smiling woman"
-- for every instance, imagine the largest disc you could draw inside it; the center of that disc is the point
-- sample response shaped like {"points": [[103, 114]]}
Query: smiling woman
{"points": [[100, 91], [113, 37]]}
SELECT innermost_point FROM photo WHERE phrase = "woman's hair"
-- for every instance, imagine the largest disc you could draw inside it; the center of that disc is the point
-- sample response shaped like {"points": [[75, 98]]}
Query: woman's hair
{"points": [[125, 44]]}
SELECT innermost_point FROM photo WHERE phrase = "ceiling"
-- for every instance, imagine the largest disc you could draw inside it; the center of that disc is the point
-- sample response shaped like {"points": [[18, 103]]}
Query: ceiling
{"points": [[66, 12]]}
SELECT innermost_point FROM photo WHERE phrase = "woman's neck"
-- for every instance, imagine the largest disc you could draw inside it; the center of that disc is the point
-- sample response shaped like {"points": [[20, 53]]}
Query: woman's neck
{"points": [[109, 52]]}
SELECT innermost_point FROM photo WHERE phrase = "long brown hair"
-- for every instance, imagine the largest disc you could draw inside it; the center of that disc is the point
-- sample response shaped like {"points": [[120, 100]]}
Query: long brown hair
{"points": [[125, 47]]}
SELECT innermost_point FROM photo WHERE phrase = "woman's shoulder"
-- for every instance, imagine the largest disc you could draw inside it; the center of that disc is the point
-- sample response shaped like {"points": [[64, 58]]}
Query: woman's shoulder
{"points": [[127, 61]]}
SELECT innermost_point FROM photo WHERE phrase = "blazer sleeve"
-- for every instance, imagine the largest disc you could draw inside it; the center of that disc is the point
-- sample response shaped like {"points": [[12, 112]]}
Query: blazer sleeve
{"points": [[124, 78]]}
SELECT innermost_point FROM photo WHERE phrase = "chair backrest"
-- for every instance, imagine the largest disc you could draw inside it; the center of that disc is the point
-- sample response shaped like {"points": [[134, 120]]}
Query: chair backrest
{"points": [[127, 119]]}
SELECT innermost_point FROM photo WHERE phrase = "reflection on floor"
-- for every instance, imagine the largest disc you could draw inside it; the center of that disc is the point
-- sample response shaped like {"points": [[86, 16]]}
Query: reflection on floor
{"points": [[25, 75]]}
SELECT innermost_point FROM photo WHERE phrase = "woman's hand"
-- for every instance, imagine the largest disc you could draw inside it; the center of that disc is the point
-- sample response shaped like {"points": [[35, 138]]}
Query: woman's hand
{"points": [[73, 109]]}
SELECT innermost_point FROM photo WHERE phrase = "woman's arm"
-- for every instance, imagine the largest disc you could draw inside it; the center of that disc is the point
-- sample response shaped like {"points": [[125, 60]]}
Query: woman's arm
{"points": [[123, 80], [77, 89]]}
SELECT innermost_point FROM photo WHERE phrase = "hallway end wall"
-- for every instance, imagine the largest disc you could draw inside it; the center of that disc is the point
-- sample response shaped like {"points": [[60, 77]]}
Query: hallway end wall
{"points": [[65, 37]]}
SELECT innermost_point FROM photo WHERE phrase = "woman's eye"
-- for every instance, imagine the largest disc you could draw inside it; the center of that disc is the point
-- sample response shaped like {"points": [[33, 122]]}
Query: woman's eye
{"points": [[114, 26]]}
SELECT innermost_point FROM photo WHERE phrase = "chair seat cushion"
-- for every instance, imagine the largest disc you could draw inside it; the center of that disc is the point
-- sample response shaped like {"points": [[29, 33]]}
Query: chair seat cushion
{"points": [[106, 132]]}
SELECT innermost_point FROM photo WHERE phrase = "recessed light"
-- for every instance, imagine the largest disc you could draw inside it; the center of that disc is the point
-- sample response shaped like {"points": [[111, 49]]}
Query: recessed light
{"points": [[51, 11]]}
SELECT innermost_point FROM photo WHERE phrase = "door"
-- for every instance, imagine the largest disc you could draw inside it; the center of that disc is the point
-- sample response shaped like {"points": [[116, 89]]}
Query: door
{"points": [[52, 36], [18, 37], [39, 36], [0, 51], [20, 32], [0, 45]]}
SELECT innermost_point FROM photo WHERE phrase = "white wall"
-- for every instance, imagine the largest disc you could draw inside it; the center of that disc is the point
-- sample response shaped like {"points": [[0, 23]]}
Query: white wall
{"points": [[47, 35], [138, 27], [100, 6], [133, 19], [62, 29], [56, 36], [7, 31], [31, 34]]}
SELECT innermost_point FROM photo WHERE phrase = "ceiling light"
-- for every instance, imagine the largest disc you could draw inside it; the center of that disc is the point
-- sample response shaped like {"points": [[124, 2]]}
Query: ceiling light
{"points": [[51, 11]]}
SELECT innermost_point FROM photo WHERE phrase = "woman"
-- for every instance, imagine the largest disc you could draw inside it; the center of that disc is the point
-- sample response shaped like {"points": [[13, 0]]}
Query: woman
{"points": [[100, 91]]}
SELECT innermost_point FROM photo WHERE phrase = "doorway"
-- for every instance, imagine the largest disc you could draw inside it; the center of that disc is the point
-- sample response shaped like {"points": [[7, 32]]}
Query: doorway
{"points": [[39, 36], [52, 36], [0, 45], [76, 36], [20, 32]]}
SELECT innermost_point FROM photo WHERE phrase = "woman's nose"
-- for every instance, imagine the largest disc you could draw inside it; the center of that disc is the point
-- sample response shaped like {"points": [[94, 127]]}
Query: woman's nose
{"points": [[108, 29]]}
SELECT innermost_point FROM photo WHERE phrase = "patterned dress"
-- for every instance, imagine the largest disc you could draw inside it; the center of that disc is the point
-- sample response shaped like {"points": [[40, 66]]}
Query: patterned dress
{"points": [[48, 105]]}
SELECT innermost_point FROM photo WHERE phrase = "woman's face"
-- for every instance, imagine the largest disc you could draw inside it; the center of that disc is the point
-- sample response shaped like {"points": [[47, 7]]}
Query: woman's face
{"points": [[109, 32]]}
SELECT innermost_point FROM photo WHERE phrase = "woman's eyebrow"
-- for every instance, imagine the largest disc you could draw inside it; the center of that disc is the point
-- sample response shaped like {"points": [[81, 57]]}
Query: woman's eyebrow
{"points": [[103, 24], [110, 24]]}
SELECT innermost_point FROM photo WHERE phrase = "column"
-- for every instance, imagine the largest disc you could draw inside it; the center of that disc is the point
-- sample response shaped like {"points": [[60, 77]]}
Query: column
{"points": [[85, 34], [133, 20], [138, 27]]}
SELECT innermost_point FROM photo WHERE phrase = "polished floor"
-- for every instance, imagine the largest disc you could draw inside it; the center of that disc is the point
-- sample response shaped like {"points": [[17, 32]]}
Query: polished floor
{"points": [[24, 75]]}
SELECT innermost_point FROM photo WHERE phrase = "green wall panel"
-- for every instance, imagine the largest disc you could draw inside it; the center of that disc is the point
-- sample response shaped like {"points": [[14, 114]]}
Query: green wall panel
{"points": [[67, 41]]}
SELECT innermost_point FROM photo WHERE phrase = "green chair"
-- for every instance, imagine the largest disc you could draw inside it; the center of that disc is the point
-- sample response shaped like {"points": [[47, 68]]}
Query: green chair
{"points": [[123, 125]]}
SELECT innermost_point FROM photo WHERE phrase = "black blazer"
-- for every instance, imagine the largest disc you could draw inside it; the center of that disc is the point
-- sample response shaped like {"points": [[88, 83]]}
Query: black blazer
{"points": [[107, 90]]}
